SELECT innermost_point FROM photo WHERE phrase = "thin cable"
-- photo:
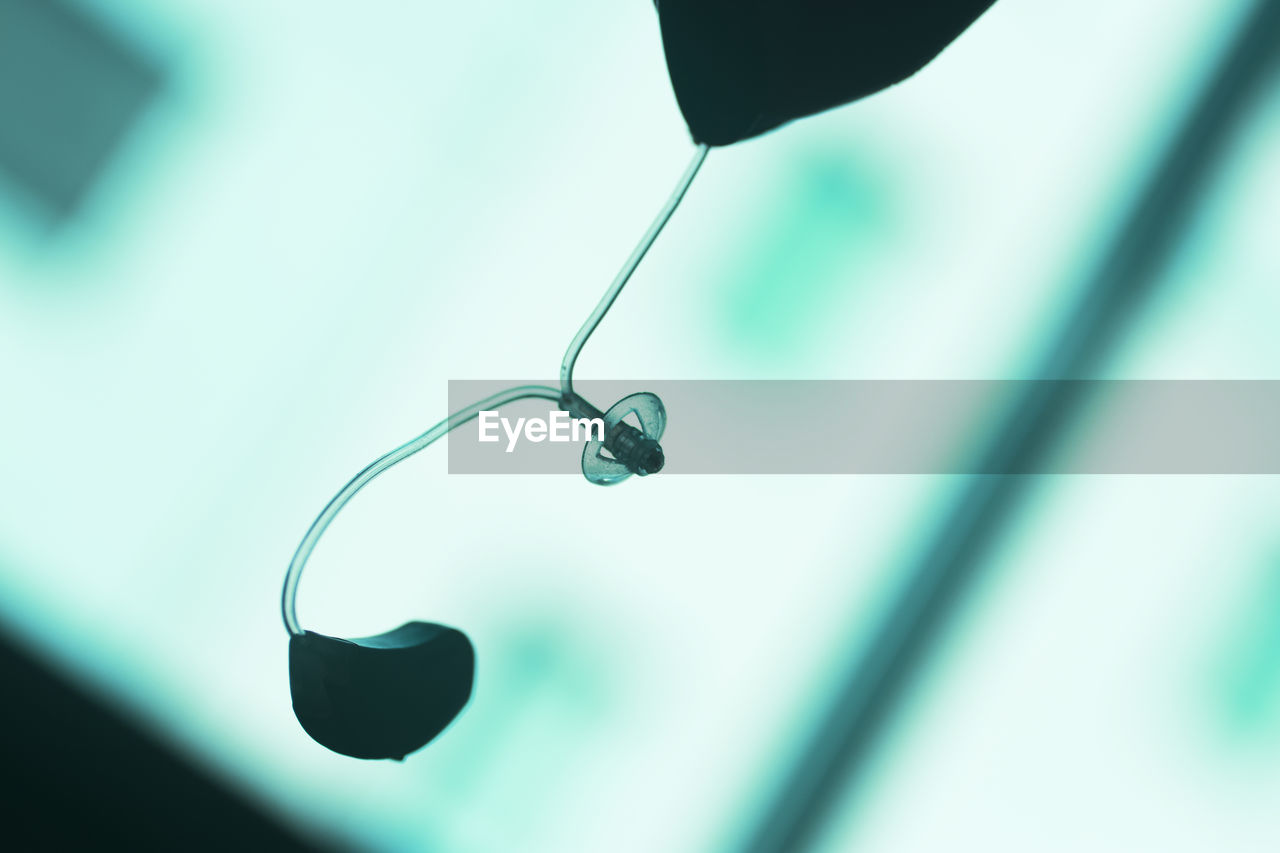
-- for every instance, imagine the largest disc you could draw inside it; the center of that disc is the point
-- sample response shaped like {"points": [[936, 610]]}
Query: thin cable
{"points": [[289, 597], [606, 301]]}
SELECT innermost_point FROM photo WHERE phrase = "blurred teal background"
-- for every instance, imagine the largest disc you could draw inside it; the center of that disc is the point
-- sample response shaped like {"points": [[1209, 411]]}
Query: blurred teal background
{"points": [[327, 211]]}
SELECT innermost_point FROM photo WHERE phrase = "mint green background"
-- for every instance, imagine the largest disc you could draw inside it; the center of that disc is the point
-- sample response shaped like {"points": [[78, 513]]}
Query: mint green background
{"points": [[336, 208]]}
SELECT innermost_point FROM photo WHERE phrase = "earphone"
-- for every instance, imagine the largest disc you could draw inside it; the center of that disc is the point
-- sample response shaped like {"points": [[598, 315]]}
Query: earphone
{"points": [[388, 695], [738, 71]]}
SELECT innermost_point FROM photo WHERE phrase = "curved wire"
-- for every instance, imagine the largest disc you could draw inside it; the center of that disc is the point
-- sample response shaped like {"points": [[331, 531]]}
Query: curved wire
{"points": [[606, 301], [289, 597]]}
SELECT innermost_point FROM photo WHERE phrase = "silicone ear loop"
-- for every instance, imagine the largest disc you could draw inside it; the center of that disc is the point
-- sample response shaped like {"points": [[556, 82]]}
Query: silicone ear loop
{"points": [[289, 597], [642, 248]]}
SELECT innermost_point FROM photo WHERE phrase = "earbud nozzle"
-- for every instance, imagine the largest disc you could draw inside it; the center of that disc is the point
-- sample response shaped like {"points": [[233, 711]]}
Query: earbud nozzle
{"points": [[383, 696], [631, 450]]}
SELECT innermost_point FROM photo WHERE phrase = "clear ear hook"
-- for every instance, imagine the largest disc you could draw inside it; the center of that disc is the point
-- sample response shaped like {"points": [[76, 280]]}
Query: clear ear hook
{"points": [[625, 450], [624, 274], [378, 466], [388, 695], [631, 450]]}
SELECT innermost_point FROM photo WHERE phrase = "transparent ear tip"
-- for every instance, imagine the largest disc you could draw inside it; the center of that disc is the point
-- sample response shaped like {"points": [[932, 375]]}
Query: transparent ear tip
{"points": [[632, 428], [649, 413]]}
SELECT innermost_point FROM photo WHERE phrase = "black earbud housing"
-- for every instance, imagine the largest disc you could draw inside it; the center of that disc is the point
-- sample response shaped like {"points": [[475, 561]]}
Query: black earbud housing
{"points": [[383, 696], [740, 69]]}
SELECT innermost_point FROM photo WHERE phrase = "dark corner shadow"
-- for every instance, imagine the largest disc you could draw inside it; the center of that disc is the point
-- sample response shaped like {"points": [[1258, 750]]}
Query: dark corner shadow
{"points": [[82, 776]]}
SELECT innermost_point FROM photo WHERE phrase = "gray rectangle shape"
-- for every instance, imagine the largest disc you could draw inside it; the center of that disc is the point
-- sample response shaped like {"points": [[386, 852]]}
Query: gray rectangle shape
{"points": [[904, 427]]}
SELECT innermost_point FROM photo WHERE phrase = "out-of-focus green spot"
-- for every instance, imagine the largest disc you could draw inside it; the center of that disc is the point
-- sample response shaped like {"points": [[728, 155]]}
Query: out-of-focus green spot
{"points": [[826, 222], [1250, 686], [540, 689]]}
